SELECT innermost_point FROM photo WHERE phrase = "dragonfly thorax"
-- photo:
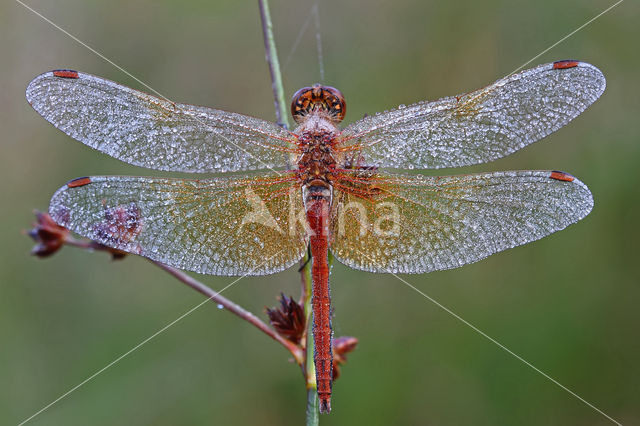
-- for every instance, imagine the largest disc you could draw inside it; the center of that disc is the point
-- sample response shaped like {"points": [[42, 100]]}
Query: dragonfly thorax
{"points": [[317, 163]]}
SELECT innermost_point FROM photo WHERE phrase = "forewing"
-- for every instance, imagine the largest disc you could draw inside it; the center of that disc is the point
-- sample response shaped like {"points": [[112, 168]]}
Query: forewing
{"points": [[417, 224], [476, 127], [239, 226], [147, 131]]}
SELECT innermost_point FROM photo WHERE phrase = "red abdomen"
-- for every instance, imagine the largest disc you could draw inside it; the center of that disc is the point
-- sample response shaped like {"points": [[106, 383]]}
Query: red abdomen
{"points": [[318, 218]]}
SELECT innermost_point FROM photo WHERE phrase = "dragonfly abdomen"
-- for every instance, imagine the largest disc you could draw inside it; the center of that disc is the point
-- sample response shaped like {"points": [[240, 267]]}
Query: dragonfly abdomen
{"points": [[318, 205]]}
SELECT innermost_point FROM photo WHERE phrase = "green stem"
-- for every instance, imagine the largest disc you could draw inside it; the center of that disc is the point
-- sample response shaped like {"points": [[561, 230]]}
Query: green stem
{"points": [[309, 366], [312, 408], [312, 412], [274, 64]]}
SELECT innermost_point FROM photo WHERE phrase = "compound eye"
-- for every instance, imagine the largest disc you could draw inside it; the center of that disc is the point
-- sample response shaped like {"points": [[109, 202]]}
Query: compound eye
{"points": [[318, 98], [300, 103], [337, 105]]}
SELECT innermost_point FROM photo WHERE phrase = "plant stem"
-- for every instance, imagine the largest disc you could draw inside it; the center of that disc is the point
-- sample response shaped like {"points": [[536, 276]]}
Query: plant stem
{"points": [[313, 417], [305, 270], [274, 64], [309, 366], [312, 407]]}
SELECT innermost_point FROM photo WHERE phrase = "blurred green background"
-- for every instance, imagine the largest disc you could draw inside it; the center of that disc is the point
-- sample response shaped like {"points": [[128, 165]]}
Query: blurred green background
{"points": [[568, 303]]}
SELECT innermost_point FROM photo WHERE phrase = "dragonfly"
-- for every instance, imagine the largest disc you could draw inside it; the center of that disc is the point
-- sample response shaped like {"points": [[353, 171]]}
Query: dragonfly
{"points": [[318, 187]]}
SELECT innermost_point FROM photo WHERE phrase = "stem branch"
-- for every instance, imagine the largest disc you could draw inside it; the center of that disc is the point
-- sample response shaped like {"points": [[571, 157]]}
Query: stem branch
{"points": [[207, 291], [232, 307]]}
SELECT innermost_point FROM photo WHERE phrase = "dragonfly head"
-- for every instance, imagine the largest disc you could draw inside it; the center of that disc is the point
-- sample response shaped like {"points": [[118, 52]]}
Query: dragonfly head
{"points": [[318, 98]]}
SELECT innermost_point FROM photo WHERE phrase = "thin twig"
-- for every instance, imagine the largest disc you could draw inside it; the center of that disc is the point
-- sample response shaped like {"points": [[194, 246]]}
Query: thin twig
{"points": [[207, 291], [233, 308]]}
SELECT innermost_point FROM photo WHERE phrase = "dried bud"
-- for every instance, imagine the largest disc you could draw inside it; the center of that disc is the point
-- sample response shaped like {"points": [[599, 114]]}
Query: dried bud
{"points": [[341, 347], [289, 320], [48, 235]]}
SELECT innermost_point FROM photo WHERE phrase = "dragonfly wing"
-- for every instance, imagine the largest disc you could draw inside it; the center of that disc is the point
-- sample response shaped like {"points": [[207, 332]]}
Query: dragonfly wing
{"points": [[477, 127], [417, 224], [147, 131], [219, 226]]}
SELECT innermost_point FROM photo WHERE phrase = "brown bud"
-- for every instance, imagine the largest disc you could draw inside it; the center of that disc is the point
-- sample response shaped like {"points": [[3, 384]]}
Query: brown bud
{"points": [[48, 235], [341, 347], [288, 320]]}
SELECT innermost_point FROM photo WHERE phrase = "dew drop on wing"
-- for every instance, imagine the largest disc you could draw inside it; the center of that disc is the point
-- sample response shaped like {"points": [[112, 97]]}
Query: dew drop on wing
{"points": [[259, 242]]}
